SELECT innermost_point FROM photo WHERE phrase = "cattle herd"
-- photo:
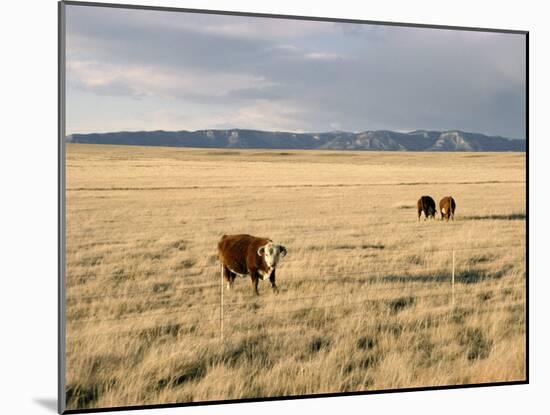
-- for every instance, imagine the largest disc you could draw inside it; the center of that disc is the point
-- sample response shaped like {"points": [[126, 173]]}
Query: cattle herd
{"points": [[426, 204], [246, 255]]}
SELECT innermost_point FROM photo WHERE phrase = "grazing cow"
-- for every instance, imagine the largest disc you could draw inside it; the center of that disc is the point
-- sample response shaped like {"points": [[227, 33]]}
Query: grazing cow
{"points": [[244, 255], [427, 205], [447, 208]]}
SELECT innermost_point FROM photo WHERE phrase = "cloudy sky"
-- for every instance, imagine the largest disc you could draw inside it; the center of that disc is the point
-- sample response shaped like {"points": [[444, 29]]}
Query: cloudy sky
{"points": [[149, 70]]}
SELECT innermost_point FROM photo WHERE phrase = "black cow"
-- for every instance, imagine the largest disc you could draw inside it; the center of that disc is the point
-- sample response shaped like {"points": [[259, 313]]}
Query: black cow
{"points": [[427, 205]]}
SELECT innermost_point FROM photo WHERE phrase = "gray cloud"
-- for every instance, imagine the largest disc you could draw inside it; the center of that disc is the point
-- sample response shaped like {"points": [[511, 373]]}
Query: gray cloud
{"points": [[309, 76]]}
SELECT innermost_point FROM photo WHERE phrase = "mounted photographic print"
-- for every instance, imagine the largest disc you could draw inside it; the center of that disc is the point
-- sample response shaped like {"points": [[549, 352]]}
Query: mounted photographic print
{"points": [[258, 207]]}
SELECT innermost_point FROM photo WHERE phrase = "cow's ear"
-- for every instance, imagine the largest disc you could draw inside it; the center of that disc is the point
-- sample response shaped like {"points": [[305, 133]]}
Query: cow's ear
{"points": [[261, 250], [283, 250]]}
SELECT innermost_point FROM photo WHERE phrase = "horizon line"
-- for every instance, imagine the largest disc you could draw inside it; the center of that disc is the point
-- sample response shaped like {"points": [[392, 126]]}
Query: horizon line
{"points": [[296, 132]]}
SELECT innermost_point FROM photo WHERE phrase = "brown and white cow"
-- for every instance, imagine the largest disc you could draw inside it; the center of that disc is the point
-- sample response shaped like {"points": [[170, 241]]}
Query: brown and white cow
{"points": [[244, 255], [447, 208], [427, 205]]}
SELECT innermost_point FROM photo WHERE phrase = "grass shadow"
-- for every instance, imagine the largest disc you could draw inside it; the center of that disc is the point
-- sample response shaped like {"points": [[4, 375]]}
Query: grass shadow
{"points": [[281, 153], [318, 343], [81, 396], [511, 216], [250, 350], [475, 343], [345, 247], [223, 153], [400, 304], [471, 276], [185, 373]]}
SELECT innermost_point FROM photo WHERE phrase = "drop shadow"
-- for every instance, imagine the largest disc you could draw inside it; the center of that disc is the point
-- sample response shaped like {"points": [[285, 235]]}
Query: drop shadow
{"points": [[48, 403]]}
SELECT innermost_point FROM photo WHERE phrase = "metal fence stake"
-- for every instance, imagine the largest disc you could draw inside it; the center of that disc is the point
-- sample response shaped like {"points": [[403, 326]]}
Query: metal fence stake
{"points": [[453, 279], [221, 304]]}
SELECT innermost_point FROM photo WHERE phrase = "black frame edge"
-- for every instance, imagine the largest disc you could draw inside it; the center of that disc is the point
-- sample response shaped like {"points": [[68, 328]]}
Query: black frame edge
{"points": [[290, 398], [527, 206], [285, 16], [61, 395]]}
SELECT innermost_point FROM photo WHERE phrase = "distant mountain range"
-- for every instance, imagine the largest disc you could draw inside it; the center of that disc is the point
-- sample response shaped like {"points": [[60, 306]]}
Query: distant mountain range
{"points": [[382, 140]]}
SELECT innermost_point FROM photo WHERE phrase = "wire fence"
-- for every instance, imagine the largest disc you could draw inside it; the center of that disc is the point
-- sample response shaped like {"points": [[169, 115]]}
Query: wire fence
{"points": [[199, 310], [364, 293], [158, 295], [411, 269], [182, 310], [435, 316]]}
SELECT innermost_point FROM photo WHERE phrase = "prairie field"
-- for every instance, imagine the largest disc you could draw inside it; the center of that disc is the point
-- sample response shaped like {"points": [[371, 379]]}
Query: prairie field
{"points": [[366, 299]]}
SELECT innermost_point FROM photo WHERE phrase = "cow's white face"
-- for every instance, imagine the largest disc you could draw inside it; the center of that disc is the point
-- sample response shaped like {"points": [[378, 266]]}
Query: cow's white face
{"points": [[272, 253]]}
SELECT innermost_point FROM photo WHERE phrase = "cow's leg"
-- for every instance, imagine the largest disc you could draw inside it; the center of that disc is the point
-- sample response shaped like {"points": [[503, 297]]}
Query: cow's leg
{"points": [[419, 214], [272, 281], [232, 277], [227, 276], [255, 280]]}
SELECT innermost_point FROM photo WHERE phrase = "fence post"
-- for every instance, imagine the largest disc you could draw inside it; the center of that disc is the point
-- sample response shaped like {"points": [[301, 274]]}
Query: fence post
{"points": [[221, 304], [453, 279]]}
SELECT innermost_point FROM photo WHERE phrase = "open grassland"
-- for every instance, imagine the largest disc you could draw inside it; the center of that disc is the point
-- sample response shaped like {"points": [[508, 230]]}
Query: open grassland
{"points": [[365, 298]]}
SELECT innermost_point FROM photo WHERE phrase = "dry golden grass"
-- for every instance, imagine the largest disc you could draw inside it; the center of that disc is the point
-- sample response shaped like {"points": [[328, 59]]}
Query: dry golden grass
{"points": [[365, 295]]}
